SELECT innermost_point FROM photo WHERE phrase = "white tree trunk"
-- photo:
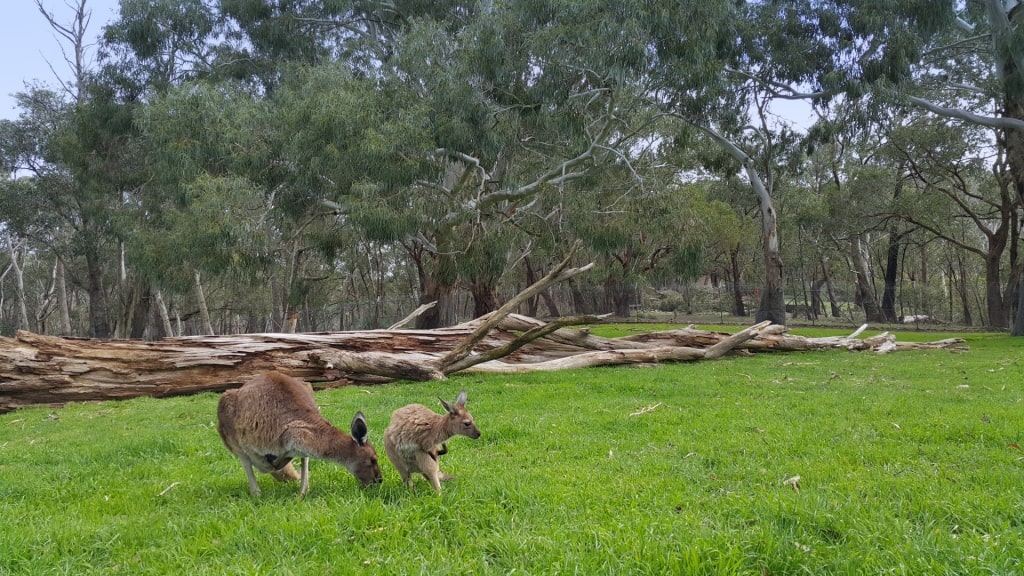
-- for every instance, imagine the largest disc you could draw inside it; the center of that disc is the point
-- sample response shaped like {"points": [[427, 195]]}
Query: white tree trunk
{"points": [[204, 312], [165, 318], [62, 298], [13, 248]]}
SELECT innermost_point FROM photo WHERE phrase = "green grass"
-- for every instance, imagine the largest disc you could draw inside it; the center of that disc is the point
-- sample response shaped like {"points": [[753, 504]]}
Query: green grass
{"points": [[908, 464]]}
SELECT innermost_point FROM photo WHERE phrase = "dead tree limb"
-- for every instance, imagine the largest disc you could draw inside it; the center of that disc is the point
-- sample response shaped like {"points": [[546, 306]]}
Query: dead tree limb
{"points": [[558, 274], [527, 337], [413, 315], [50, 370]]}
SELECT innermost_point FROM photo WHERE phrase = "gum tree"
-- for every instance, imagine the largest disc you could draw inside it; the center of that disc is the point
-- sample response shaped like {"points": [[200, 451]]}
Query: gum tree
{"points": [[957, 60]]}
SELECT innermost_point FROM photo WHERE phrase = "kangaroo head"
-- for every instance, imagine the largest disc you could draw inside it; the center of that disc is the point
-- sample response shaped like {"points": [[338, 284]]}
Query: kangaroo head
{"points": [[460, 421], [363, 464]]}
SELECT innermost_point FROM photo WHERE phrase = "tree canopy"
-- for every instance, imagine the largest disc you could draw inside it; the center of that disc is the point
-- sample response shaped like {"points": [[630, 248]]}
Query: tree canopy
{"points": [[273, 165]]}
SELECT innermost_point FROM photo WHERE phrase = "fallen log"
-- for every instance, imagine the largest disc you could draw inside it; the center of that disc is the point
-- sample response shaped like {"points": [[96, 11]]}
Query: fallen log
{"points": [[36, 369]]}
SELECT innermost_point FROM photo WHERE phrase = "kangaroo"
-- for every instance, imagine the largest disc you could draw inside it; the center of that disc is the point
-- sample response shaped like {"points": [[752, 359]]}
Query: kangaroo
{"points": [[413, 437], [274, 418]]}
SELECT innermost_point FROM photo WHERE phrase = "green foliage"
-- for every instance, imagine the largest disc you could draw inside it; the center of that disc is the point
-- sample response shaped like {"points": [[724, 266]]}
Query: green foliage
{"points": [[665, 234], [382, 224], [338, 131], [212, 228], [462, 134], [908, 460], [158, 43]]}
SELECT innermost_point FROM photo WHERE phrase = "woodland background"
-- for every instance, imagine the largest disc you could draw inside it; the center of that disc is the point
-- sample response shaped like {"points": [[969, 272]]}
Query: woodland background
{"points": [[236, 166]]}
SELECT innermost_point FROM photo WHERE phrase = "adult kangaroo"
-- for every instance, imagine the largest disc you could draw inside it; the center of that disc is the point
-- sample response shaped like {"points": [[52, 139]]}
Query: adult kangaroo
{"points": [[274, 418]]}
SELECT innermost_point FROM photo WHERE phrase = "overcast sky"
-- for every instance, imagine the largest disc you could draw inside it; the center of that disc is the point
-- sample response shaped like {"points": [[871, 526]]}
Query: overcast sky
{"points": [[27, 43]]}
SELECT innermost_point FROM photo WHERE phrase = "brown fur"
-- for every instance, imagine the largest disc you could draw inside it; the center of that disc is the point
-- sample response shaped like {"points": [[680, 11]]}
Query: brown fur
{"points": [[413, 438], [274, 418]]}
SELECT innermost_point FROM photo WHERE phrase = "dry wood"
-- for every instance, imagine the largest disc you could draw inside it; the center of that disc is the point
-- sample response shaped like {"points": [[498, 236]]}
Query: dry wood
{"points": [[459, 354], [37, 369]]}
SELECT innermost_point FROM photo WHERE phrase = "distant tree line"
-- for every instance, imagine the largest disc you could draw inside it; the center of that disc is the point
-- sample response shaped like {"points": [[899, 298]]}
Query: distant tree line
{"points": [[273, 165]]}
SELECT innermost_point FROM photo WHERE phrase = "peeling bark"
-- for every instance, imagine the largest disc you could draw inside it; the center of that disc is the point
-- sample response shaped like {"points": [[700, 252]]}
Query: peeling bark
{"points": [[50, 370]]}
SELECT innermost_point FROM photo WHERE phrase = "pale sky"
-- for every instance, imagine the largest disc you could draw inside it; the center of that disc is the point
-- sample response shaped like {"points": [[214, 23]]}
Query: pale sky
{"points": [[27, 43]]}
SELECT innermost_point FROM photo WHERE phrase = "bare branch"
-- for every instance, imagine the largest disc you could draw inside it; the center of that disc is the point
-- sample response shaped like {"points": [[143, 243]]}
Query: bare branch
{"points": [[524, 339], [964, 25], [74, 35], [990, 121], [557, 175], [781, 90], [412, 316], [558, 274]]}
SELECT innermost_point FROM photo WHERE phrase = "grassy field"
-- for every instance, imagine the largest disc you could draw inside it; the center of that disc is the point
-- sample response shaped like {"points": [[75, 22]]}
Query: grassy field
{"points": [[908, 463]]}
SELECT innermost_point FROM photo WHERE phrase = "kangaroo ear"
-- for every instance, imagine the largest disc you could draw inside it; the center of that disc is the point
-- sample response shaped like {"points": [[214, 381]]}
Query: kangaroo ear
{"points": [[448, 407], [359, 429], [461, 400]]}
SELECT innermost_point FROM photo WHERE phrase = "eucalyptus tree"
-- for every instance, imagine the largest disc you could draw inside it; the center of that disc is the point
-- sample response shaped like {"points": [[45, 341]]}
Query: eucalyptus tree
{"points": [[438, 124], [821, 222], [154, 45], [153, 54], [81, 175], [805, 219], [732, 249], [16, 251], [955, 59], [706, 65], [24, 153], [656, 232], [858, 189], [31, 147], [201, 209], [88, 163], [217, 132], [953, 179]]}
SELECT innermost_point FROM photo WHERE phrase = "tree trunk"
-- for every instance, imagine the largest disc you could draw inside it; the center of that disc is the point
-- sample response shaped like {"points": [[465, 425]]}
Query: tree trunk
{"points": [[142, 302], [1016, 268], [892, 260], [836, 310], [204, 312], [441, 294], [97, 295], [19, 282], [434, 271], [738, 307], [485, 298], [773, 301], [165, 318], [994, 289], [862, 277], [51, 370], [620, 295], [532, 304], [580, 303], [817, 305], [545, 295], [1018, 325], [549, 302], [960, 283], [291, 321], [62, 298], [1014, 108]]}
